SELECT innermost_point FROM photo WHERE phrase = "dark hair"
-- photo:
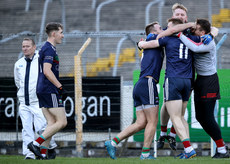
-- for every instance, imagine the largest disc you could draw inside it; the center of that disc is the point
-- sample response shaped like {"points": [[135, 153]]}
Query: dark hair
{"points": [[204, 25], [175, 21], [29, 39], [53, 26], [150, 27]]}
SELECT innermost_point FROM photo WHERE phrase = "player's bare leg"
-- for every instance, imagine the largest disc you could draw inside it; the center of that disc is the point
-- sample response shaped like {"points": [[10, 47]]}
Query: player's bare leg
{"points": [[50, 121], [177, 116], [175, 111], [146, 118], [164, 118], [164, 115], [183, 113], [139, 124], [151, 115], [56, 121], [135, 127], [163, 135]]}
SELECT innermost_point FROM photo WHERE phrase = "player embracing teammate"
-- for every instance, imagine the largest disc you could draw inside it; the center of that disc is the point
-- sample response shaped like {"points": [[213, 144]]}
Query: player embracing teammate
{"points": [[177, 85]]}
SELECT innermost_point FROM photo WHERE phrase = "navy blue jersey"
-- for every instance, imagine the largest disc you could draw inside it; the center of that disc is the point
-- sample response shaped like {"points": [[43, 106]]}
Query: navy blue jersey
{"points": [[152, 60], [47, 54], [178, 56]]}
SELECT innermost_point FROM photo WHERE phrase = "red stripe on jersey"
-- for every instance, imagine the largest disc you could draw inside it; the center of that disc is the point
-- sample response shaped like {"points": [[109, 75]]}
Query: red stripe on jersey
{"points": [[195, 42], [56, 61]]}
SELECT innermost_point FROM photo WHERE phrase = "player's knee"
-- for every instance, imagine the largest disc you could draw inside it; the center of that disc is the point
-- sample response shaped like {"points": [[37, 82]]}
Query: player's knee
{"points": [[63, 124], [141, 125]]}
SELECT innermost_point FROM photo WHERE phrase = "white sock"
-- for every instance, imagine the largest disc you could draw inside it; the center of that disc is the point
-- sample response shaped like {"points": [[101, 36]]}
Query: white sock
{"points": [[222, 150], [113, 143], [145, 154], [163, 133], [172, 135], [188, 149], [36, 143]]}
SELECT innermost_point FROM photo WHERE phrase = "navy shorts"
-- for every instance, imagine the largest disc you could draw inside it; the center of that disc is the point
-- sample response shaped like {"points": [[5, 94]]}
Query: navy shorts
{"points": [[145, 92], [177, 89], [49, 100]]}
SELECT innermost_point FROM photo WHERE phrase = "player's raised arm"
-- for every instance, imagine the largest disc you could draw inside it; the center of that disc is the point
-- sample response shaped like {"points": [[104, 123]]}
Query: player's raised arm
{"points": [[195, 47], [176, 29]]}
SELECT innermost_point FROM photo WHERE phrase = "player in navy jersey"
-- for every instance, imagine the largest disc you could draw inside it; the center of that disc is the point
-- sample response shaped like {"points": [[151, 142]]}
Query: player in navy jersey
{"points": [[145, 97], [50, 92], [177, 85], [178, 11], [206, 87]]}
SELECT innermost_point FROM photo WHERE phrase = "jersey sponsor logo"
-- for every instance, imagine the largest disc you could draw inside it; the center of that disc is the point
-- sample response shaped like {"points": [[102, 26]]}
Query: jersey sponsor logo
{"points": [[60, 102], [48, 58]]}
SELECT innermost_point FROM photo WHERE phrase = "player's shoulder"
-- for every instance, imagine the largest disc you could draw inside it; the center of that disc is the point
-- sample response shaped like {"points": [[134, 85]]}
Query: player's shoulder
{"points": [[47, 48], [151, 36], [194, 37], [166, 38]]}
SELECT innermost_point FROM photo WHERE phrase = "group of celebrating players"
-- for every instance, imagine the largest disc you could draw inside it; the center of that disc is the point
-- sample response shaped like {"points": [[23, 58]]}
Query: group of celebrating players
{"points": [[186, 46]]}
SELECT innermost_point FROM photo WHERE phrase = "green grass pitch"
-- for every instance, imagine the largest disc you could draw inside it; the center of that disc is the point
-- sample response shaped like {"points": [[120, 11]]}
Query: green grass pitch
{"points": [[13, 159]]}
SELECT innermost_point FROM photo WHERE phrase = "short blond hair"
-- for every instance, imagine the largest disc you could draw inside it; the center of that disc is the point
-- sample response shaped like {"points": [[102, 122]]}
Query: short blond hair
{"points": [[179, 6]]}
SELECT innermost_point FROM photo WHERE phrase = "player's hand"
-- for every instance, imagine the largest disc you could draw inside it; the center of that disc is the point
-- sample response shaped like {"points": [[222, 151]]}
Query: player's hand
{"points": [[63, 93], [206, 39], [142, 39], [138, 46]]}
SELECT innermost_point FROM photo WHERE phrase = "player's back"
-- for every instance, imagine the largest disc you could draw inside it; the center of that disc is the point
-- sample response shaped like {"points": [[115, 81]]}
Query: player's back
{"points": [[152, 59], [178, 57]]}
